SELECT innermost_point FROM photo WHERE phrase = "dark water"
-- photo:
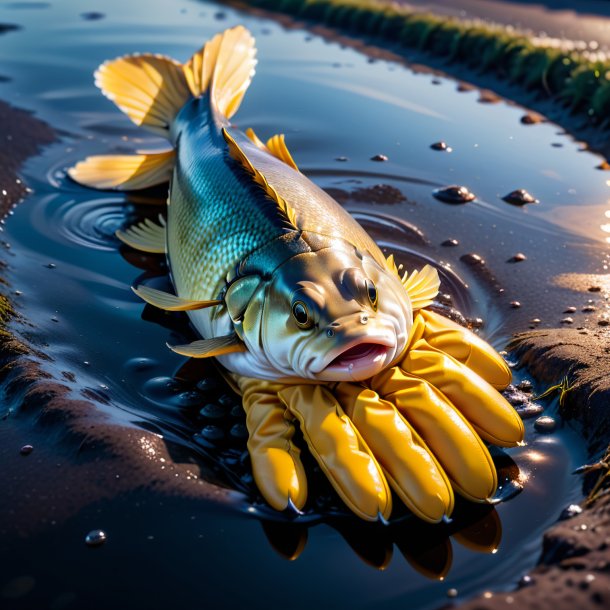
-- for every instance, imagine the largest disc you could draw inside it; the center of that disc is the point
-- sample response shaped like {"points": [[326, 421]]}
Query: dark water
{"points": [[74, 279]]}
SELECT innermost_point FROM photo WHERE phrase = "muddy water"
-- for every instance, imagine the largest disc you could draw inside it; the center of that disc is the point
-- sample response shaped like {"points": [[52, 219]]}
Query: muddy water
{"points": [[71, 278]]}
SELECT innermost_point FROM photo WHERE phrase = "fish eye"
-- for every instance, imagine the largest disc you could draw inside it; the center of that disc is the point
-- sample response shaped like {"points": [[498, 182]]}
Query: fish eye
{"points": [[301, 315], [371, 291]]}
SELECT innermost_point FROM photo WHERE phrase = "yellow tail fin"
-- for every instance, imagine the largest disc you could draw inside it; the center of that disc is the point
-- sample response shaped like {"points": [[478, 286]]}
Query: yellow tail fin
{"points": [[225, 65], [149, 89]]}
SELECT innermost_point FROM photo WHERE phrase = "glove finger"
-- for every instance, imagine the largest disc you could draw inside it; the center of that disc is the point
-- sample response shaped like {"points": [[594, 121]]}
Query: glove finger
{"points": [[413, 472], [276, 463], [485, 408], [339, 450], [467, 348], [457, 447]]}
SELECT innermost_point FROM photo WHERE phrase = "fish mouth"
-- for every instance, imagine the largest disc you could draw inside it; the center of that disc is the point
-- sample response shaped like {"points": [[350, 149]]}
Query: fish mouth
{"points": [[359, 360]]}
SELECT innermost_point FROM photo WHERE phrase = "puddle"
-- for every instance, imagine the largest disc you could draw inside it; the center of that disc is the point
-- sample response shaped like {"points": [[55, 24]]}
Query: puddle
{"points": [[338, 111]]}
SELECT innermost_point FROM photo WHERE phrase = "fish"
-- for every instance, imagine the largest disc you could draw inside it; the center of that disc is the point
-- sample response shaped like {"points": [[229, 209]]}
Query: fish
{"points": [[278, 280]]}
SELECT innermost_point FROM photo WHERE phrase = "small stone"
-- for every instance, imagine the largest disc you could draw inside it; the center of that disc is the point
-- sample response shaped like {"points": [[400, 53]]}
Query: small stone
{"points": [[472, 259], [475, 322], [535, 321], [519, 197], [529, 410], [567, 320], [525, 386], [26, 450], [379, 158], [515, 304], [603, 322], [594, 289], [51, 266], [526, 581], [445, 299], [450, 243], [517, 258], [454, 194], [341, 159], [239, 432], [531, 118], [569, 310], [95, 538], [212, 433], [589, 308], [452, 593], [441, 146], [545, 424], [604, 166], [213, 411], [570, 511]]}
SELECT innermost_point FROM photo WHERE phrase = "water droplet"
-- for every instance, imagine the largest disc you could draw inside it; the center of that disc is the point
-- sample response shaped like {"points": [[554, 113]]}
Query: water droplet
{"points": [[341, 159], [515, 304], [519, 197], [535, 321], [379, 158], [517, 258], [472, 259], [226, 400], [450, 243], [452, 592], [567, 320], [51, 266], [441, 146], [330, 332], [207, 384], [26, 450], [212, 433], [95, 538], [454, 194], [140, 364], [569, 310], [239, 432], [545, 424], [190, 398]]}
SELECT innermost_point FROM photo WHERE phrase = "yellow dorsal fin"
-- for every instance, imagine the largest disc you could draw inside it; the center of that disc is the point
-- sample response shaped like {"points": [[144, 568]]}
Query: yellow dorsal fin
{"points": [[206, 348], [275, 146], [422, 286], [149, 89], [124, 172], [146, 236], [225, 65], [170, 302], [285, 211], [278, 148]]}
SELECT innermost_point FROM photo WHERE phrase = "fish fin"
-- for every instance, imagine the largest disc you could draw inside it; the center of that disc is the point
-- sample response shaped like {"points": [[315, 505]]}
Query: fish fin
{"points": [[277, 147], [391, 264], [124, 172], [206, 348], [422, 286], [149, 89], [225, 66], [285, 210], [170, 302], [146, 236]]}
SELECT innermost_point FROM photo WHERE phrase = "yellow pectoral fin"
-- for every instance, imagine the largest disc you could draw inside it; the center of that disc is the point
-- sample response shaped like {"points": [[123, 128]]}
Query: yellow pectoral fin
{"points": [[207, 348], [277, 147], [422, 286], [170, 302], [124, 172], [145, 236]]}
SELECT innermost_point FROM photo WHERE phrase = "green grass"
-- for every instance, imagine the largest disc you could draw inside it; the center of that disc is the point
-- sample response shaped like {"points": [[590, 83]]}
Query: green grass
{"points": [[577, 79]]}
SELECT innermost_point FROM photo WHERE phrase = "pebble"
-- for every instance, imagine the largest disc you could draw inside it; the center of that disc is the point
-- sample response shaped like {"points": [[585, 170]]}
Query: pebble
{"points": [[594, 289], [535, 321], [212, 433], [51, 266], [239, 431], [445, 299], [519, 197], [213, 411], [570, 511], [515, 304], [26, 450], [545, 424], [95, 538], [569, 310], [567, 320], [525, 386], [603, 322], [517, 258], [529, 410], [379, 158], [472, 259], [531, 119], [589, 308], [450, 243], [454, 194], [475, 322], [452, 592], [604, 165], [341, 159], [441, 146]]}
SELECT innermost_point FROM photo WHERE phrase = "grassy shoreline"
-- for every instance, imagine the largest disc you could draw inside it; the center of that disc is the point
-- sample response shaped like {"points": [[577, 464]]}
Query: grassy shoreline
{"points": [[575, 77]]}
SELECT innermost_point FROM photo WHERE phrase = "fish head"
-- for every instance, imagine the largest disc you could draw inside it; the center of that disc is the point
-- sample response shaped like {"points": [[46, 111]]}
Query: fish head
{"points": [[331, 315]]}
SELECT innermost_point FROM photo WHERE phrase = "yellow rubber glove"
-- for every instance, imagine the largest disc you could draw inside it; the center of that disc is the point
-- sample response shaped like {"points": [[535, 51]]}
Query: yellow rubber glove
{"points": [[417, 427]]}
